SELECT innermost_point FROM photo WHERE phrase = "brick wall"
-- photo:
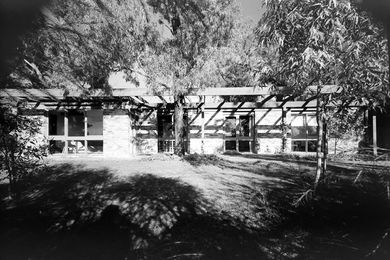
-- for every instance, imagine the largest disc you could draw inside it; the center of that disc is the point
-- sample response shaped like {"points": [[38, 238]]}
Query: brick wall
{"points": [[117, 133], [124, 137]]}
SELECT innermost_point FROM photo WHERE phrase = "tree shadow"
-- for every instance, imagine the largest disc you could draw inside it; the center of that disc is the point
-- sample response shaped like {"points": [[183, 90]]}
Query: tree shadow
{"points": [[71, 212], [344, 218]]}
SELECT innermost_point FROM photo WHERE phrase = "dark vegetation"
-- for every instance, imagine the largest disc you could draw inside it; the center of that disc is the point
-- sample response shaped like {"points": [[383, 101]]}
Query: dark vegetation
{"points": [[71, 212]]}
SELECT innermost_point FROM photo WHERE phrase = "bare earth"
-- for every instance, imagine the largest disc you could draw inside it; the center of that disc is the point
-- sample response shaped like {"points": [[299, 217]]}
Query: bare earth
{"points": [[231, 186]]}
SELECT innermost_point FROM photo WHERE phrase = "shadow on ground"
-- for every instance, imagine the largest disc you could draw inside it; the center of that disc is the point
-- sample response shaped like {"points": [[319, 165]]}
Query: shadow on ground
{"points": [[347, 217], [70, 212]]}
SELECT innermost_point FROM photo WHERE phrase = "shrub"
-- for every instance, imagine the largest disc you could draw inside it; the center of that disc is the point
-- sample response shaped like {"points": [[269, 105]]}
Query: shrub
{"points": [[21, 153]]}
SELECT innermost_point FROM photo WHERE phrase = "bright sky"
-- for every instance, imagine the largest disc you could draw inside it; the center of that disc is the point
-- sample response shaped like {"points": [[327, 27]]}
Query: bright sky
{"points": [[251, 8]]}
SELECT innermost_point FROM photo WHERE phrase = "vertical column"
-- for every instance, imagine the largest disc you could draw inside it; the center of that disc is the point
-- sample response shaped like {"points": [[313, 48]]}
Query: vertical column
{"points": [[374, 136], [66, 131], [203, 100], [85, 131]]}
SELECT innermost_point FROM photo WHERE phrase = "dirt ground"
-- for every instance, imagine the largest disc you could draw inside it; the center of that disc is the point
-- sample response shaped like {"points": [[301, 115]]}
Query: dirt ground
{"points": [[199, 207], [230, 184]]}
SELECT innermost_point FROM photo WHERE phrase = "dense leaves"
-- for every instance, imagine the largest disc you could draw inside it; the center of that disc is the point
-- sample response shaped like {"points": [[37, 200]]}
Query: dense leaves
{"points": [[78, 43], [21, 151], [327, 42]]}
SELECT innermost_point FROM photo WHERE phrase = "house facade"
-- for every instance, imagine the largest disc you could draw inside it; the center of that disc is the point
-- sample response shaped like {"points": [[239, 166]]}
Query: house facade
{"points": [[123, 125]]}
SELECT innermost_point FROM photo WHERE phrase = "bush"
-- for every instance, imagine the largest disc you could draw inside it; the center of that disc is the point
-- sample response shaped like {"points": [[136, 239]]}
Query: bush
{"points": [[20, 151], [199, 159]]}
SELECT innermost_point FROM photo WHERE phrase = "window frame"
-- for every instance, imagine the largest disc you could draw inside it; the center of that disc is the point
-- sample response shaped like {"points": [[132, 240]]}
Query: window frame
{"points": [[237, 138], [307, 139], [66, 138]]}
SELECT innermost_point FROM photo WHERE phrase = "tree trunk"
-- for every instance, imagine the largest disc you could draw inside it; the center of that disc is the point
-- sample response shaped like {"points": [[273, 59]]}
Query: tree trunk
{"points": [[284, 131], [319, 141], [325, 149], [179, 148]]}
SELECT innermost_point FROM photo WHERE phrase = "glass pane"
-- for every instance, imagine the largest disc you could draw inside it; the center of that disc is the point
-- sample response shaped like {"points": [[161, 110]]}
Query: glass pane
{"points": [[244, 146], [95, 146], [297, 120], [298, 132], [75, 123], [56, 123], [311, 120], [230, 126], [230, 145], [312, 132], [166, 146], [76, 146], [299, 146], [95, 122], [244, 125], [311, 146], [56, 146], [165, 126]]}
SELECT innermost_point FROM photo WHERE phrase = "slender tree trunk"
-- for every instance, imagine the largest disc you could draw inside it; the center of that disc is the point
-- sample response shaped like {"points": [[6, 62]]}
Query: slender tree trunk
{"points": [[325, 146], [284, 131], [319, 141], [179, 148]]}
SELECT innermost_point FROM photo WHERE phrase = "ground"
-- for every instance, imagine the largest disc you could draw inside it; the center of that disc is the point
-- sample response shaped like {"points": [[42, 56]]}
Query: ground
{"points": [[200, 207]]}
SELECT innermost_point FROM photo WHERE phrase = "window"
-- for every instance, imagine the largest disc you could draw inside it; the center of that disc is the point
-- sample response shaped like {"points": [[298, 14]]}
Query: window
{"points": [[304, 132], [76, 123], [166, 132], [238, 133], [56, 123], [75, 131]]}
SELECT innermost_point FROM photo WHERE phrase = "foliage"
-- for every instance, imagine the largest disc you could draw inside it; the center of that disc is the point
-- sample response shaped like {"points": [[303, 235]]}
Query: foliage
{"points": [[327, 42], [78, 43], [195, 30], [20, 151], [201, 159], [345, 124]]}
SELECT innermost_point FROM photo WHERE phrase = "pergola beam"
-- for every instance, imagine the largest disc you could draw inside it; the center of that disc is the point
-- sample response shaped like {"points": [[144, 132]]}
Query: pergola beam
{"points": [[61, 94], [201, 106]]}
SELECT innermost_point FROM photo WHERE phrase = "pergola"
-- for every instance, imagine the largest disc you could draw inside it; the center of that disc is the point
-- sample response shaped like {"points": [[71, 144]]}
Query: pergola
{"points": [[144, 97], [199, 99]]}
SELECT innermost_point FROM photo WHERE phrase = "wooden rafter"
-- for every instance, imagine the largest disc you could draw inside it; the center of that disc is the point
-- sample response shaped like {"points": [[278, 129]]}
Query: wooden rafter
{"points": [[60, 94]]}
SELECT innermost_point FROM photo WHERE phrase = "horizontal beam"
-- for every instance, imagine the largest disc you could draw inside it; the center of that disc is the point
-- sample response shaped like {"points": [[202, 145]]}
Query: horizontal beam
{"points": [[255, 105], [270, 104], [61, 94]]}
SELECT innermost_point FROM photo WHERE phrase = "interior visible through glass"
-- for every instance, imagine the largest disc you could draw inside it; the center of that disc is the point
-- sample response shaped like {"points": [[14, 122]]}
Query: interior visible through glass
{"points": [[94, 122], [56, 146], [230, 126], [76, 146], [75, 123], [95, 146], [56, 123], [244, 126]]}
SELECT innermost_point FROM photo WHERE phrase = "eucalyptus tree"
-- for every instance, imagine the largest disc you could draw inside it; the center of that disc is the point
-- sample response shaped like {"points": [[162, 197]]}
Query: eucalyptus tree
{"points": [[78, 43], [194, 29], [327, 42]]}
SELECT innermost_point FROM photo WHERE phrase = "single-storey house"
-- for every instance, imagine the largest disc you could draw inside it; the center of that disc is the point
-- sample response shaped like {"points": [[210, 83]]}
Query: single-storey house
{"points": [[136, 121]]}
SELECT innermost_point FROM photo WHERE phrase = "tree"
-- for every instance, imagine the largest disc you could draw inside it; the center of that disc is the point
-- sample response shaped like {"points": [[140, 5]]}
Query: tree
{"points": [[327, 42], [78, 43], [195, 29], [21, 151]]}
